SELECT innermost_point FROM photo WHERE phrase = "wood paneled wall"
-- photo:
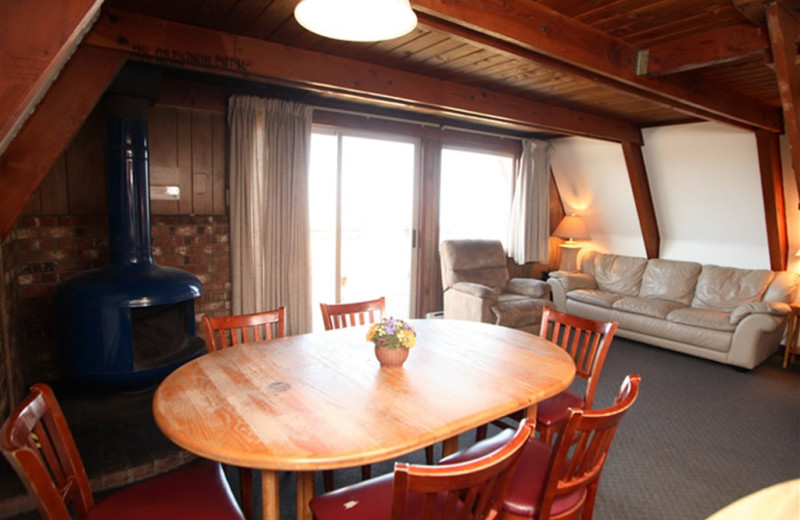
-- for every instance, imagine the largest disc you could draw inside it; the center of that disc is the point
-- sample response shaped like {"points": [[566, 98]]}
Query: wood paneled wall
{"points": [[187, 149]]}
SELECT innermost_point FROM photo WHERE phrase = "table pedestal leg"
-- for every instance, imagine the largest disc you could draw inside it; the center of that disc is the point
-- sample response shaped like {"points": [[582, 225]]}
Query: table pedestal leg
{"points": [[270, 495], [530, 414], [305, 492], [449, 446]]}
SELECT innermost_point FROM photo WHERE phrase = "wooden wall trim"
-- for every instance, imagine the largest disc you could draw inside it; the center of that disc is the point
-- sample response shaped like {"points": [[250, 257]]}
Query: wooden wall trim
{"points": [[38, 39], [643, 198], [782, 36], [769, 162], [177, 45], [46, 134], [429, 296]]}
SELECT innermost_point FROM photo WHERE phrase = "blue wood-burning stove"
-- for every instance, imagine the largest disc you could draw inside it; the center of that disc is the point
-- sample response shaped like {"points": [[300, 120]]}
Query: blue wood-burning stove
{"points": [[130, 323]]}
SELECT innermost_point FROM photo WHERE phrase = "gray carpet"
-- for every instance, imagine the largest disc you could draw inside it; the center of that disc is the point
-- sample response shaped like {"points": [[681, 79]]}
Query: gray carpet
{"points": [[700, 436]]}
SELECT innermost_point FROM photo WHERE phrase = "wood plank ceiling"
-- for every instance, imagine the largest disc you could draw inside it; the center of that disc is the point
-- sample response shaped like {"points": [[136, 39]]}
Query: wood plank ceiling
{"points": [[599, 68], [489, 45]]}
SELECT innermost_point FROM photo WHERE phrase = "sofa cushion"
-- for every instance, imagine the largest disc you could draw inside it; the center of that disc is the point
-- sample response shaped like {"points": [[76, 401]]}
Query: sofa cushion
{"points": [[705, 318], [654, 307], [619, 274], [594, 297], [670, 280], [725, 288]]}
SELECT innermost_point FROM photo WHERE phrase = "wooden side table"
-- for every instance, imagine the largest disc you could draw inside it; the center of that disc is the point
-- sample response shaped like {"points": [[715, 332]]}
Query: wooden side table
{"points": [[792, 330]]}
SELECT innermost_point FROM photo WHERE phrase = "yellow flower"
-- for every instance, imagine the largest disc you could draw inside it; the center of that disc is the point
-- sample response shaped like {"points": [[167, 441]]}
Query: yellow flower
{"points": [[392, 333]]}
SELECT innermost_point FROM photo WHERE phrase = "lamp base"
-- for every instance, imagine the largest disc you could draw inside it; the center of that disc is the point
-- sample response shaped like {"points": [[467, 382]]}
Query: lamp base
{"points": [[569, 257]]}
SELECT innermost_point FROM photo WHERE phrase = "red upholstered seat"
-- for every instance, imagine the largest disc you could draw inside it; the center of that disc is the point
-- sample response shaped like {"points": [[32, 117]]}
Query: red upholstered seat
{"points": [[559, 481], [37, 442], [198, 491], [587, 342], [414, 492], [551, 411], [370, 499], [524, 494]]}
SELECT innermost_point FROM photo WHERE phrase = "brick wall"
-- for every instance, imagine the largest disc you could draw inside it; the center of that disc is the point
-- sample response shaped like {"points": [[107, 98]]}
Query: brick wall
{"points": [[43, 251]]}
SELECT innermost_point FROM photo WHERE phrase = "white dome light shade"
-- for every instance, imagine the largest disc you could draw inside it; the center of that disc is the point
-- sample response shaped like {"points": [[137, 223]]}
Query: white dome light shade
{"points": [[357, 20]]}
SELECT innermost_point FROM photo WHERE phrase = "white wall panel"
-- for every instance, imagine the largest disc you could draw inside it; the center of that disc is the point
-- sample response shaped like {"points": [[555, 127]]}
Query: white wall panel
{"points": [[706, 189]]}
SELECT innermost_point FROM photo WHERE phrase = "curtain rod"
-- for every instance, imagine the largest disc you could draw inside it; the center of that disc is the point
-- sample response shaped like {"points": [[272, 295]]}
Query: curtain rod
{"points": [[440, 126]]}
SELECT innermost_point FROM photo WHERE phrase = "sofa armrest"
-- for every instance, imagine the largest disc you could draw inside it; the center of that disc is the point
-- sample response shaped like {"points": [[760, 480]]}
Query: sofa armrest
{"points": [[528, 287], [477, 290], [561, 282], [745, 309]]}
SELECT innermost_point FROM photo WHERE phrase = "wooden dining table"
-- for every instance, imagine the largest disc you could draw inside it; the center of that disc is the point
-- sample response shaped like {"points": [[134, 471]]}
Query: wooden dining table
{"points": [[321, 401]]}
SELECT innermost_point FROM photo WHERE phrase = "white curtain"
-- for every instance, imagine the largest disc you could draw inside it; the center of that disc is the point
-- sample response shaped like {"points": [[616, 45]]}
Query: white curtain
{"points": [[529, 234], [270, 239]]}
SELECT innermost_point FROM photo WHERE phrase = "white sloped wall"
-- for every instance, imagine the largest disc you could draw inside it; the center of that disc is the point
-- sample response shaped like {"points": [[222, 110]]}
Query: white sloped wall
{"points": [[706, 189]]}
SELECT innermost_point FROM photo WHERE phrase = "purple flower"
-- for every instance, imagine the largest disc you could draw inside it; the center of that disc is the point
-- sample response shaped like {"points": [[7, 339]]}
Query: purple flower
{"points": [[391, 326]]}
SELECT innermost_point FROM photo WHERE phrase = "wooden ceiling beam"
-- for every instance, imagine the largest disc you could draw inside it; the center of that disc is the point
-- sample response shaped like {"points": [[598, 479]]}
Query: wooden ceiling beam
{"points": [[552, 35], [37, 40], [177, 45], [769, 162], [781, 26], [47, 132], [707, 49], [643, 198]]}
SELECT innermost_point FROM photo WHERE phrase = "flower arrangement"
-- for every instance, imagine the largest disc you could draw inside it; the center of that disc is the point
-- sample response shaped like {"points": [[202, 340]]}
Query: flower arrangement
{"points": [[392, 333]]}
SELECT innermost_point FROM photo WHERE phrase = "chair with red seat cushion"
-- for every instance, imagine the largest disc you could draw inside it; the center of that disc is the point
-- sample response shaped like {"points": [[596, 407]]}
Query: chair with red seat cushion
{"points": [[430, 492], [353, 314], [228, 331], [555, 482], [38, 444], [587, 341]]}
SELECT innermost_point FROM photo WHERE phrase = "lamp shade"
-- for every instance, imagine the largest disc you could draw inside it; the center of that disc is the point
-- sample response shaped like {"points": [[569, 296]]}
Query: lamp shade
{"points": [[356, 20], [572, 227]]}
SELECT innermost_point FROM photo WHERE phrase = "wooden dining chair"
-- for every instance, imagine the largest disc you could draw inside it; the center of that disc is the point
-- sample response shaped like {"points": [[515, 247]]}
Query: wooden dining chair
{"points": [[587, 342], [227, 331], [37, 442], [559, 481], [341, 315], [477, 486], [353, 314]]}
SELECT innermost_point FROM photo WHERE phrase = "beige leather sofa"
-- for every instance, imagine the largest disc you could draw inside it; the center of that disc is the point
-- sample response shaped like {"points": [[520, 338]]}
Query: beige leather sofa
{"points": [[729, 315], [477, 286]]}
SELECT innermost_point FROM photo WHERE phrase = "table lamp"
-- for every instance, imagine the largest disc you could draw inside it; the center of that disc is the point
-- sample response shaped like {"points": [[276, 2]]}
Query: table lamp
{"points": [[571, 228]]}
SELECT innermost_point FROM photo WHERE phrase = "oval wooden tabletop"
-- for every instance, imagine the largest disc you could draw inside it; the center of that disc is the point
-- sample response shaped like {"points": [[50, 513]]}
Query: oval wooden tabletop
{"points": [[322, 401]]}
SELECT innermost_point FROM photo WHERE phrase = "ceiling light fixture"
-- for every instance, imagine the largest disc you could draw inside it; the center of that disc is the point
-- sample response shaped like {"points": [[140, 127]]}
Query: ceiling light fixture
{"points": [[357, 20]]}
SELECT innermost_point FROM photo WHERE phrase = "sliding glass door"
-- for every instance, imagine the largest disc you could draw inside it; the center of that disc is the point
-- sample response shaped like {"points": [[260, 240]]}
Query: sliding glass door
{"points": [[362, 209]]}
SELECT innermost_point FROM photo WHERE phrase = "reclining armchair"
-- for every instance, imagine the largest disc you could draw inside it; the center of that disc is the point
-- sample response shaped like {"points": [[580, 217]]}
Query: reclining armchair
{"points": [[477, 286]]}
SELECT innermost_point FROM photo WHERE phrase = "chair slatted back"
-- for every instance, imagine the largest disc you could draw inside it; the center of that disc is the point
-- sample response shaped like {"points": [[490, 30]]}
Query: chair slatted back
{"points": [[587, 341], [582, 447], [37, 442], [472, 490], [341, 315], [227, 331]]}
